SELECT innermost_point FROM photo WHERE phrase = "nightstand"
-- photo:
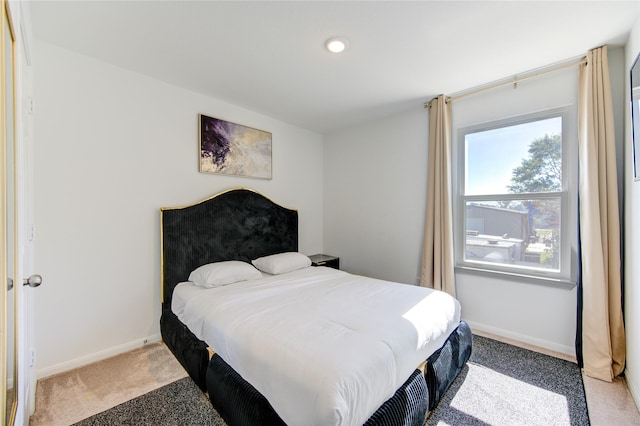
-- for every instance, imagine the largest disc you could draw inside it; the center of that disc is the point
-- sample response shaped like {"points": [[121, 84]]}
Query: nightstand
{"points": [[325, 260]]}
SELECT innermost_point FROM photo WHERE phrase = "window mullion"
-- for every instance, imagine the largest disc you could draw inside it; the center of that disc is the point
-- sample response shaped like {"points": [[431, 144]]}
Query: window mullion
{"points": [[518, 196]]}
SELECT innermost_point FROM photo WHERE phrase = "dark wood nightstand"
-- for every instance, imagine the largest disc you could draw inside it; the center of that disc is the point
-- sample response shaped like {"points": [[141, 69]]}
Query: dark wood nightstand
{"points": [[325, 260]]}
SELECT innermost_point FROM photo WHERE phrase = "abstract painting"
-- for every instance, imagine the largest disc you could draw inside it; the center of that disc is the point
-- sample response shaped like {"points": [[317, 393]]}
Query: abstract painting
{"points": [[233, 149]]}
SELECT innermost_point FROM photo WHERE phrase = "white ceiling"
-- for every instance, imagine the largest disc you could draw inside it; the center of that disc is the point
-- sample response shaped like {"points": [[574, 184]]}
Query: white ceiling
{"points": [[268, 56]]}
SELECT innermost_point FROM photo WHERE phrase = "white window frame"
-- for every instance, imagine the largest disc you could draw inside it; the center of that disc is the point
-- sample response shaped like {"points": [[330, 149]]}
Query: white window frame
{"points": [[568, 195]]}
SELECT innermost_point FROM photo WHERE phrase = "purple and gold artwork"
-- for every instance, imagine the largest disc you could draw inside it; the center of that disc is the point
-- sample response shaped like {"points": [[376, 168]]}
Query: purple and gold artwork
{"points": [[232, 149]]}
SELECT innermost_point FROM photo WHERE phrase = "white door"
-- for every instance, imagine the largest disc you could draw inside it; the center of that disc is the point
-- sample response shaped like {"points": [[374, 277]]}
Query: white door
{"points": [[17, 353], [8, 218]]}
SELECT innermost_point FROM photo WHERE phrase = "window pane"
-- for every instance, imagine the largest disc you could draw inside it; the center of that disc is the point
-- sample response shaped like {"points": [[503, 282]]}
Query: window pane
{"points": [[521, 233], [515, 159]]}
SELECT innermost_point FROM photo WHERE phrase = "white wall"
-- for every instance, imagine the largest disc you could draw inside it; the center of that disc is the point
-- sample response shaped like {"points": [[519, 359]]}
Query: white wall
{"points": [[632, 235], [112, 147], [375, 188], [375, 195]]}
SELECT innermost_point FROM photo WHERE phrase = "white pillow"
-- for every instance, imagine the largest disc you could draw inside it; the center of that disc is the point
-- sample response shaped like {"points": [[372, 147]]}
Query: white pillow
{"points": [[223, 273], [282, 262]]}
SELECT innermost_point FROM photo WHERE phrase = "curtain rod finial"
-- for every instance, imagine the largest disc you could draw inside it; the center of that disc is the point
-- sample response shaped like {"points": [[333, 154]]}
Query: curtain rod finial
{"points": [[447, 99]]}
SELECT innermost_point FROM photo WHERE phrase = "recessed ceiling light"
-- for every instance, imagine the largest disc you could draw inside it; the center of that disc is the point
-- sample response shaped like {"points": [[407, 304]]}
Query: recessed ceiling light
{"points": [[335, 44]]}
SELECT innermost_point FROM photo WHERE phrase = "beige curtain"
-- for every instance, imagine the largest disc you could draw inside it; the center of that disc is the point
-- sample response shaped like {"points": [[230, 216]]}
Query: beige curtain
{"points": [[437, 258], [603, 340]]}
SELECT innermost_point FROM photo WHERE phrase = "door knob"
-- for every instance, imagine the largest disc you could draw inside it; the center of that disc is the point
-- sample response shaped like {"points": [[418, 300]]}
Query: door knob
{"points": [[33, 281]]}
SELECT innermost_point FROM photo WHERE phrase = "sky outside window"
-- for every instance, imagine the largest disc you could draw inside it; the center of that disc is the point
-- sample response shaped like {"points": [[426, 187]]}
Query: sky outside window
{"points": [[491, 155]]}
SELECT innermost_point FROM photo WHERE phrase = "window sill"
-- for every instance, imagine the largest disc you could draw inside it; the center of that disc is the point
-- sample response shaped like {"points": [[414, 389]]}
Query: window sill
{"points": [[523, 278]]}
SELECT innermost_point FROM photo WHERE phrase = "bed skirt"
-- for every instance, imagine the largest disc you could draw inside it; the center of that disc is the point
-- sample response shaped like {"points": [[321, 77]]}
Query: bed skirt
{"points": [[191, 352], [444, 365]]}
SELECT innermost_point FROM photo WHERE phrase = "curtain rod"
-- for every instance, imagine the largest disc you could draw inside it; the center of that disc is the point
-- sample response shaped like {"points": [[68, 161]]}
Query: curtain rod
{"points": [[513, 82]]}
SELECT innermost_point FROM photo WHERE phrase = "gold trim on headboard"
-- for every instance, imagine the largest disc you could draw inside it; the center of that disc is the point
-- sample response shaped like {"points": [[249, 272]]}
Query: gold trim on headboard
{"points": [[163, 209], [224, 192]]}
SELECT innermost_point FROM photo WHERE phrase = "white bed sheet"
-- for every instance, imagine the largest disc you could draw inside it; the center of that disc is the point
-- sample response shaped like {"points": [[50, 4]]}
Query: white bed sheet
{"points": [[324, 347]]}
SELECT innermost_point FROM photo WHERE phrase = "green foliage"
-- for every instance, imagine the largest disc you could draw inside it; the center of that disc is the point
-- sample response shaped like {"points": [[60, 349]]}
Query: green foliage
{"points": [[542, 171]]}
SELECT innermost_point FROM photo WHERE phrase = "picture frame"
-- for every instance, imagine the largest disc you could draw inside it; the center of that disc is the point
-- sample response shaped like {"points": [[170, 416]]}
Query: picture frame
{"points": [[234, 149]]}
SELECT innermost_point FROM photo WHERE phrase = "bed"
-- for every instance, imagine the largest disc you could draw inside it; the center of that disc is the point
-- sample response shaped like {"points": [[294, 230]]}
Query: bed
{"points": [[243, 225]]}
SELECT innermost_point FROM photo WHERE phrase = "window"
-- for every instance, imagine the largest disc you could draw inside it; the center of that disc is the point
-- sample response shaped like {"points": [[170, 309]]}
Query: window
{"points": [[513, 199]]}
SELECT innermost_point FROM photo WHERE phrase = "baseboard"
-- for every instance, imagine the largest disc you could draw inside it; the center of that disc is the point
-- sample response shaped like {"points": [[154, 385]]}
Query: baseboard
{"points": [[632, 383], [96, 356], [568, 352]]}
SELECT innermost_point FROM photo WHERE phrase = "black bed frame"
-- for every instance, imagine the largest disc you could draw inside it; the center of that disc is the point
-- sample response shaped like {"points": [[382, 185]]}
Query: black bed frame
{"points": [[242, 224]]}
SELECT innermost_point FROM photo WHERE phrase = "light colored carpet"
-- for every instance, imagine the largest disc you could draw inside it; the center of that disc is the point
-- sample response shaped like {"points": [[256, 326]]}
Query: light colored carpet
{"points": [[610, 403], [69, 397]]}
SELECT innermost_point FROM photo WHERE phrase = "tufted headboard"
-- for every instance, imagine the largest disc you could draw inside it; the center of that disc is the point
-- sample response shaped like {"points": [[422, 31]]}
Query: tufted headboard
{"points": [[238, 224]]}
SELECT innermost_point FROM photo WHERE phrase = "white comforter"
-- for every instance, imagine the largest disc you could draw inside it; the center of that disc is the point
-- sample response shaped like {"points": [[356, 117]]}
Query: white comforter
{"points": [[324, 347]]}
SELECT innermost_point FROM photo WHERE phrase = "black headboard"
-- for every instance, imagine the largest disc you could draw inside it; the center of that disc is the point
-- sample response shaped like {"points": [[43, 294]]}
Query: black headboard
{"points": [[239, 224]]}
